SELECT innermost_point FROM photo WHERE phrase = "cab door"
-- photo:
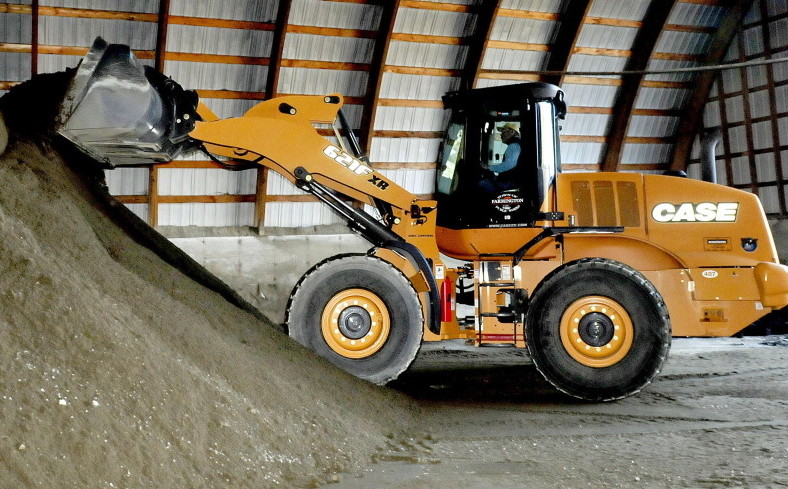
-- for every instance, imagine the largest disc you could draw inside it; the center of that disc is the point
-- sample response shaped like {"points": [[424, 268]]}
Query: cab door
{"points": [[477, 187]]}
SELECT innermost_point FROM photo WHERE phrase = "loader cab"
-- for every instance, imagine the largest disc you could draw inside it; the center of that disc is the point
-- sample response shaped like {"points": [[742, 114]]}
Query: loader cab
{"points": [[479, 185]]}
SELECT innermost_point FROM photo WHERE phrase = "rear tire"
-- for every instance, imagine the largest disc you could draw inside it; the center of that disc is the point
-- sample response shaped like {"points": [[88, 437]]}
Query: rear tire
{"points": [[598, 330], [361, 314]]}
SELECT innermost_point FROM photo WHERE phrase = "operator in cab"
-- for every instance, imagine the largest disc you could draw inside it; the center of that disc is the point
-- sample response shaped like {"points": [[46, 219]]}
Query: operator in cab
{"points": [[502, 178]]}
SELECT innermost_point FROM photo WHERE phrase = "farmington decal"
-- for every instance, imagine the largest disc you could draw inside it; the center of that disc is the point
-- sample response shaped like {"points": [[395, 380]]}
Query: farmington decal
{"points": [[700, 212], [508, 202]]}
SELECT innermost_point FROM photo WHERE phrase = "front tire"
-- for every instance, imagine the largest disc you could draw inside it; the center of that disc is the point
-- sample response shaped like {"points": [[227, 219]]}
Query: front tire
{"points": [[598, 330], [361, 314]]}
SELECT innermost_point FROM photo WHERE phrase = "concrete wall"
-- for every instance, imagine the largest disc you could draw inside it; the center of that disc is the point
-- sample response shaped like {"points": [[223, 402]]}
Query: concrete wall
{"points": [[264, 269]]}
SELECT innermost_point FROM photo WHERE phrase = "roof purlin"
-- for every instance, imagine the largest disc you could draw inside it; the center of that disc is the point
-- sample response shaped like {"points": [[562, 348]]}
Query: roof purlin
{"points": [[642, 50]]}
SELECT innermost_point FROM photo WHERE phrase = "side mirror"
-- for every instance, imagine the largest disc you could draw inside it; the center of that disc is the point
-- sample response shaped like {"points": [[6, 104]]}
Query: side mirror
{"points": [[560, 105]]}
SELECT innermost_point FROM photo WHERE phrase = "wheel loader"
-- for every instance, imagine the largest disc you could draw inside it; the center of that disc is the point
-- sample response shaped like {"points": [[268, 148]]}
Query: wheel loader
{"points": [[591, 272]]}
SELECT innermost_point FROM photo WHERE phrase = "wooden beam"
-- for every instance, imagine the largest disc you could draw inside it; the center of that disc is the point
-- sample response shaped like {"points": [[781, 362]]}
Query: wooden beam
{"points": [[416, 70], [408, 134], [693, 109], [426, 39], [773, 115], [153, 196], [628, 53], [161, 34], [325, 65], [578, 79], [376, 70], [745, 85], [78, 12], [636, 24], [568, 31], [569, 138], [261, 196], [192, 164], [529, 14], [206, 199], [399, 102], [271, 89], [34, 38], [642, 50], [140, 53], [135, 17], [726, 140], [227, 199], [277, 48], [359, 2], [520, 46], [508, 75], [629, 167], [578, 109], [580, 167], [209, 58], [231, 94], [222, 23], [292, 198], [697, 29], [667, 84], [330, 31], [159, 57], [132, 199], [445, 7], [479, 43]]}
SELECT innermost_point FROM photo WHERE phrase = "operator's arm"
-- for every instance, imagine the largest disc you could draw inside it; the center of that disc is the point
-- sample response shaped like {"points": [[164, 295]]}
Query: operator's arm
{"points": [[510, 157]]}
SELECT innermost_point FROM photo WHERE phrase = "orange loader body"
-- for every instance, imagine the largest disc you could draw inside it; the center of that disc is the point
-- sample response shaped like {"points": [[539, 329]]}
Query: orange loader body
{"points": [[592, 272]]}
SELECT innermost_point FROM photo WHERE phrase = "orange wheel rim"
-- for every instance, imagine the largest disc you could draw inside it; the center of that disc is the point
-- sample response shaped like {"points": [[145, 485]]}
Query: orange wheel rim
{"points": [[596, 331], [355, 323]]}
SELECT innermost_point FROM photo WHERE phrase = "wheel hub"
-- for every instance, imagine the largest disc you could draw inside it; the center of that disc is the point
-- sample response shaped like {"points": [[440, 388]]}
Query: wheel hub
{"points": [[596, 331], [355, 323]]}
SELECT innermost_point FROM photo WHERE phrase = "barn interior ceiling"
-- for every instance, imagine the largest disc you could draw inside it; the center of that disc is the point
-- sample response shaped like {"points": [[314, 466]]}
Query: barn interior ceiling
{"points": [[394, 59]]}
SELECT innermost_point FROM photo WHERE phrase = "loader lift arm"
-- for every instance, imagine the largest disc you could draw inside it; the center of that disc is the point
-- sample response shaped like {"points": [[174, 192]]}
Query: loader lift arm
{"points": [[122, 113], [377, 234], [320, 168]]}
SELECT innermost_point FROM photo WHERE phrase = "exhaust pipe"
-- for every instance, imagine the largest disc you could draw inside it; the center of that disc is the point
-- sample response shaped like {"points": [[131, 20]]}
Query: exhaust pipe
{"points": [[122, 113], [708, 158]]}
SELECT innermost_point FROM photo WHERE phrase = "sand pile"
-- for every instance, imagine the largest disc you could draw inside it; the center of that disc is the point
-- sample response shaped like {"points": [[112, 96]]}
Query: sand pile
{"points": [[116, 370]]}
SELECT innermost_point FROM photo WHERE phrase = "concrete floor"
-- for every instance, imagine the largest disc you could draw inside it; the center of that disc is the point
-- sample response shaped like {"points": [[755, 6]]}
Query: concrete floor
{"points": [[715, 418]]}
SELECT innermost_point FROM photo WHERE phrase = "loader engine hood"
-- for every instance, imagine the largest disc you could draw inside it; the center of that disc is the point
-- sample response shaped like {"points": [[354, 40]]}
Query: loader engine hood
{"points": [[707, 224], [122, 113]]}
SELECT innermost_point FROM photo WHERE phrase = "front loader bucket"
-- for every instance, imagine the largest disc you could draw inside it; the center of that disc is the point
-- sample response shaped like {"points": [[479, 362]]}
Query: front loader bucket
{"points": [[122, 113]]}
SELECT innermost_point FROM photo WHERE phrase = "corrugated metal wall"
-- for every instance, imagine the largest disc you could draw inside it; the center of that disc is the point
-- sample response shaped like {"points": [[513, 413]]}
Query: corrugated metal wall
{"points": [[226, 50], [750, 106]]}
